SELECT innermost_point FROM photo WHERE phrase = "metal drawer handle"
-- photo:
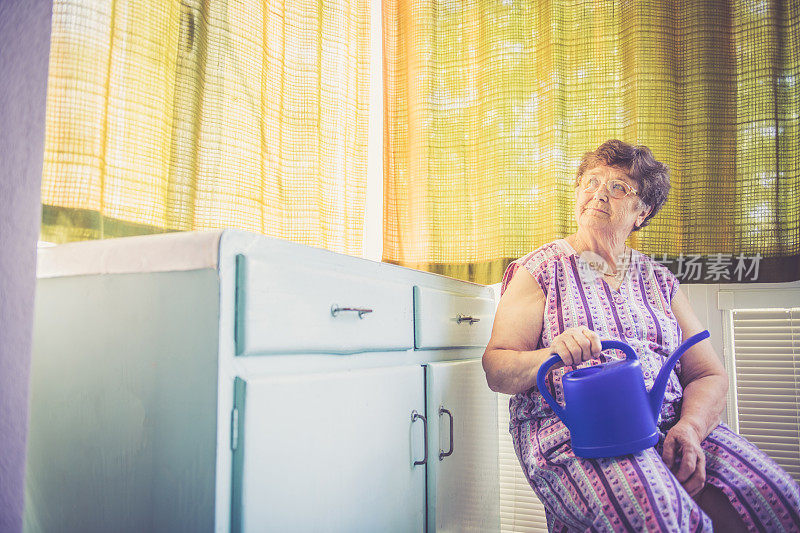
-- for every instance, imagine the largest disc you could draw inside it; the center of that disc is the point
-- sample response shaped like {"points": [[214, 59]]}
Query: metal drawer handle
{"points": [[466, 318], [414, 416], [449, 452], [335, 310]]}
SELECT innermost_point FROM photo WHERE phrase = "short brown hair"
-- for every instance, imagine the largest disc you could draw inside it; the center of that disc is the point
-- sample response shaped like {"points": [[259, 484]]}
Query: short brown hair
{"points": [[638, 162]]}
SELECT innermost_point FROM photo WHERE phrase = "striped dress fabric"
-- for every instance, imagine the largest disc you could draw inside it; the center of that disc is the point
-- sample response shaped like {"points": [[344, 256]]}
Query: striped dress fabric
{"points": [[635, 492]]}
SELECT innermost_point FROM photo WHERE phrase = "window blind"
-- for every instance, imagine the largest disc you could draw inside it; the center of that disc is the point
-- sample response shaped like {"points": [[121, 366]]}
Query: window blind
{"points": [[766, 348], [520, 508]]}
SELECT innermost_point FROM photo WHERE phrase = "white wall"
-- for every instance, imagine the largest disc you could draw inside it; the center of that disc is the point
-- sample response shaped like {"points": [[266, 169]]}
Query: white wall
{"points": [[24, 53]]}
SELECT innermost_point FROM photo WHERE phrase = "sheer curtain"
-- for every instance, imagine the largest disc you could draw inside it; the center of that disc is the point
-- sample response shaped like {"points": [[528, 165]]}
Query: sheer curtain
{"points": [[165, 116], [490, 105]]}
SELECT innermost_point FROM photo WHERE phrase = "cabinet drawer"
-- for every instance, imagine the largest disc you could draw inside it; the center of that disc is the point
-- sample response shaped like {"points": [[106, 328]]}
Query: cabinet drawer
{"points": [[448, 320], [282, 308]]}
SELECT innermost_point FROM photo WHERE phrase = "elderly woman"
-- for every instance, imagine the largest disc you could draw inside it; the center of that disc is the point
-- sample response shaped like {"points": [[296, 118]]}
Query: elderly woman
{"points": [[572, 293]]}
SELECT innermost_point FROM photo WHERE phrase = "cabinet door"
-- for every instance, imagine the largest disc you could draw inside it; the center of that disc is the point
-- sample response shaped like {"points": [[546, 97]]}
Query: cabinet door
{"points": [[330, 452], [463, 491]]}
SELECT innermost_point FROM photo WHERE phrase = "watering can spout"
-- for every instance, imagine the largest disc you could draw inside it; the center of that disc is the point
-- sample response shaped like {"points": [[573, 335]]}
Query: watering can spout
{"points": [[660, 384]]}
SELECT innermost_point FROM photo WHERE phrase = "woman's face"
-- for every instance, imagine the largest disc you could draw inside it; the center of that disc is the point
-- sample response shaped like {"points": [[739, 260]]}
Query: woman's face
{"points": [[599, 210]]}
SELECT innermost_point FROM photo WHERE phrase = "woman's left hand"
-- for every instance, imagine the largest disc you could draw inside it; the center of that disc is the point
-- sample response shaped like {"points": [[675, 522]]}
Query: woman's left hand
{"points": [[684, 456]]}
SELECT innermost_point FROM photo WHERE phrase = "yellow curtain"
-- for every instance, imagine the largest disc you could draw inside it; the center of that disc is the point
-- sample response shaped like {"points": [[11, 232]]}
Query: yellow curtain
{"points": [[490, 105], [200, 114]]}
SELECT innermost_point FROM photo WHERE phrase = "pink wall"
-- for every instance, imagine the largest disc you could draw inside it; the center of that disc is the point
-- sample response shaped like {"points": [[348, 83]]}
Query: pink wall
{"points": [[24, 51]]}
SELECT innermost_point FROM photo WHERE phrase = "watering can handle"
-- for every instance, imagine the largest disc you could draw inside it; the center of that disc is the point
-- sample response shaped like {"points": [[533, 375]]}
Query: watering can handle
{"points": [[630, 355], [545, 367]]}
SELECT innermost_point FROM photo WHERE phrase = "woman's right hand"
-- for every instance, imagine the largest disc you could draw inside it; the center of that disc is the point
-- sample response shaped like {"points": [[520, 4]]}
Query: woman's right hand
{"points": [[575, 345]]}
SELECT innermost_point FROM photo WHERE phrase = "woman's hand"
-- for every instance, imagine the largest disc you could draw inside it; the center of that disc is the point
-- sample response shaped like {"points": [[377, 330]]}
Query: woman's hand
{"points": [[576, 345], [684, 456]]}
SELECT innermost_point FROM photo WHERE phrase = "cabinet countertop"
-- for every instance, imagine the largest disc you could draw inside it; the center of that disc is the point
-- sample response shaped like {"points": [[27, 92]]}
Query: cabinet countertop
{"points": [[195, 250]]}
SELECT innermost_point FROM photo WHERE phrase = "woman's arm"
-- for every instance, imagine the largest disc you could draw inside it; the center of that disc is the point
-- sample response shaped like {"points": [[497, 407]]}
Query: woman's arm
{"points": [[704, 380], [511, 360], [705, 385]]}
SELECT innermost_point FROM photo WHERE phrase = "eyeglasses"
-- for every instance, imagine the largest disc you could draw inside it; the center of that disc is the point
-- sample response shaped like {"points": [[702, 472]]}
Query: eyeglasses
{"points": [[616, 188]]}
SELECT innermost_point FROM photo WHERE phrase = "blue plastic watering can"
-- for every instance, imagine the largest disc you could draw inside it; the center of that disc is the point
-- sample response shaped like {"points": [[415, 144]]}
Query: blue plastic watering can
{"points": [[608, 410]]}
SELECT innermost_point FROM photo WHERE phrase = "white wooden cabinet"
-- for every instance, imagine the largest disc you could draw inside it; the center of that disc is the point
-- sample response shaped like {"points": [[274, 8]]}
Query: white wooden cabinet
{"points": [[345, 458], [225, 381], [463, 434]]}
